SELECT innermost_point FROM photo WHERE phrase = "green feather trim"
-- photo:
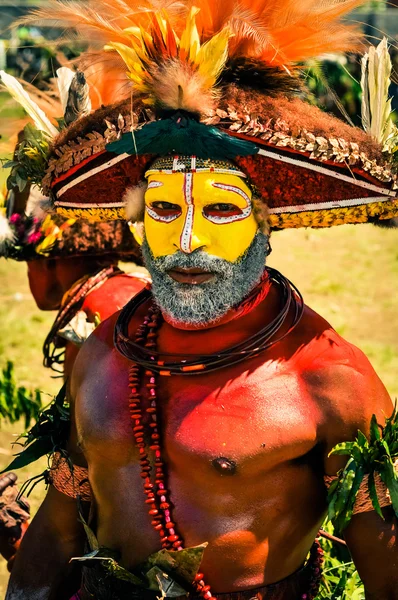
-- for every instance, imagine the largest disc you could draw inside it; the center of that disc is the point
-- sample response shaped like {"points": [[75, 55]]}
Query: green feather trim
{"points": [[366, 458], [182, 135]]}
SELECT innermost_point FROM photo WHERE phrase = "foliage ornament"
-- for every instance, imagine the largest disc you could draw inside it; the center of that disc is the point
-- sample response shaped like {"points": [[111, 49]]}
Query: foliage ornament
{"points": [[368, 460]]}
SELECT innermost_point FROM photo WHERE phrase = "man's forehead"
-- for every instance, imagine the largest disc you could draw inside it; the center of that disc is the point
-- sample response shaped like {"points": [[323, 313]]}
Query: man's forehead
{"points": [[169, 165], [158, 180]]}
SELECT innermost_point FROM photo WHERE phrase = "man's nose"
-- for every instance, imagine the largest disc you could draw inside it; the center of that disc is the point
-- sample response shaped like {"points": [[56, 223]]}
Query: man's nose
{"points": [[198, 240], [194, 235]]}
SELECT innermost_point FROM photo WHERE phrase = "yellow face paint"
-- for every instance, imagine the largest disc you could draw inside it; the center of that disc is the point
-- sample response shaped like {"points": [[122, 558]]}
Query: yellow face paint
{"points": [[188, 211]]}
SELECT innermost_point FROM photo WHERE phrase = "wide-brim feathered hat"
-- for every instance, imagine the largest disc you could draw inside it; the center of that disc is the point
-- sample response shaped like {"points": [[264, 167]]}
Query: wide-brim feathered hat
{"points": [[218, 81], [29, 228], [31, 233]]}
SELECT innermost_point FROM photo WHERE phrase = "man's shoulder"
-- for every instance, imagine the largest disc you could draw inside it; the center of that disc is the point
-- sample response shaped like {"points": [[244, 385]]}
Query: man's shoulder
{"points": [[324, 347], [95, 351], [340, 376]]}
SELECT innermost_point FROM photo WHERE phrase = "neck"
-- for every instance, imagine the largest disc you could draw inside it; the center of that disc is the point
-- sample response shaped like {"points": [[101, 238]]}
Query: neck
{"points": [[70, 273], [182, 352]]}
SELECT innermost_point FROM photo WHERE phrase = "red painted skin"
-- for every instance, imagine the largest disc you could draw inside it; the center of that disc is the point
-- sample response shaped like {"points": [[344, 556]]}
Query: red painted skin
{"points": [[277, 416]]}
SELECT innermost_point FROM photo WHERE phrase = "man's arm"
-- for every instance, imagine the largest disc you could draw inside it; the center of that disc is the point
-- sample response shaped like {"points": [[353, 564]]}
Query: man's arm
{"points": [[372, 542], [41, 570]]}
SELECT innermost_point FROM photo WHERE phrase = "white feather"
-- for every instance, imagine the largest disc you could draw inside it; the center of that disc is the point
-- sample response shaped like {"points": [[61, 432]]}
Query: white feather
{"points": [[6, 234], [16, 90], [375, 82], [134, 201], [37, 205], [64, 79]]}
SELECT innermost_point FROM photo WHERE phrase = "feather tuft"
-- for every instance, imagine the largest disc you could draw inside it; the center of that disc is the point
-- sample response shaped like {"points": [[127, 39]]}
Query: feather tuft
{"points": [[7, 236], [252, 74], [375, 83], [134, 201], [173, 73], [37, 205], [78, 101], [176, 86], [281, 33], [64, 80], [152, 35], [16, 90], [386, 223], [260, 211]]}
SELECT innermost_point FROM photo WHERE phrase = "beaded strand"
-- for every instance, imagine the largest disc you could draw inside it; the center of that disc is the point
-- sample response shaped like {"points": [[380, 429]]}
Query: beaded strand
{"points": [[157, 494], [315, 560]]}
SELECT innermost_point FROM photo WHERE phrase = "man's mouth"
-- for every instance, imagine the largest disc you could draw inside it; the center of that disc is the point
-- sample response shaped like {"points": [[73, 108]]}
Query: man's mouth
{"points": [[192, 276]]}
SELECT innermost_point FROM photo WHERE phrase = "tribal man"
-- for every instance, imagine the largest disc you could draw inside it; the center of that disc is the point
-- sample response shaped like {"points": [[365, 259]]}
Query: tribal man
{"points": [[204, 413], [72, 268]]}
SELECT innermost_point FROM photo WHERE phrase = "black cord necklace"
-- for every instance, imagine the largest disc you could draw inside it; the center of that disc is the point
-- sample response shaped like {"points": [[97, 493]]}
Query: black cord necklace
{"points": [[195, 364], [53, 353]]}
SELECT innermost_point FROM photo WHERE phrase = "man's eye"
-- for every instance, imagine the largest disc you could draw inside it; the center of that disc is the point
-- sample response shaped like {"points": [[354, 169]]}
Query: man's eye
{"points": [[222, 209], [165, 208]]}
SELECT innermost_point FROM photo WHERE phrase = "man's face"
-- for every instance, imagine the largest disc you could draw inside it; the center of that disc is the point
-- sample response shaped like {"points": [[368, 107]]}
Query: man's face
{"points": [[191, 211], [202, 246]]}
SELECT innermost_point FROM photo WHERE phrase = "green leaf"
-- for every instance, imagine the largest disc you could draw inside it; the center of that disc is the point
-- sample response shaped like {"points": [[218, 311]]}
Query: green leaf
{"points": [[8, 164], [385, 447], [332, 498], [342, 492], [337, 594], [345, 448], [184, 564], [91, 537], [390, 478], [374, 430], [350, 502], [357, 453], [104, 555], [362, 440], [60, 398], [159, 581], [373, 494], [21, 183], [36, 450]]}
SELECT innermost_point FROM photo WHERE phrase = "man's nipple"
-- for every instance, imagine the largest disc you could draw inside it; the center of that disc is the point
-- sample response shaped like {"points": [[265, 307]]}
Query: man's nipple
{"points": [[224, 466]]}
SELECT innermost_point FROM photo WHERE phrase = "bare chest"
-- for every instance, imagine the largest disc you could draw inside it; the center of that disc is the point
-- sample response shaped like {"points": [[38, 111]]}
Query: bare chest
{"points": [[252, 419]]}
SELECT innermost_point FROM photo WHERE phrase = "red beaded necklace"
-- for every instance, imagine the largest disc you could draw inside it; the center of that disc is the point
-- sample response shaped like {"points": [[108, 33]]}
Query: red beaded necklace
{"points": [[156, 492], [155, 487]]}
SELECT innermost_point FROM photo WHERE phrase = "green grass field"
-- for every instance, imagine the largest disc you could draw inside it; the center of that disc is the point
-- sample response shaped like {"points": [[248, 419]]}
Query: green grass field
{"points": [[348, 274]]}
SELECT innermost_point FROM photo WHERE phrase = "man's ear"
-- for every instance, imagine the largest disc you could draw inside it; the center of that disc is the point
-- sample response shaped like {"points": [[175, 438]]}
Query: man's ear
{"points": [[135, 203]]}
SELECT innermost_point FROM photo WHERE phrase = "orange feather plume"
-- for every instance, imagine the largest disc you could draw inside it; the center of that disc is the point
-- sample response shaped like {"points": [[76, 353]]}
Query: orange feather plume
{"points": [[278, 32], [281, 32], [158, 41], [106, 76], [98, 22]]}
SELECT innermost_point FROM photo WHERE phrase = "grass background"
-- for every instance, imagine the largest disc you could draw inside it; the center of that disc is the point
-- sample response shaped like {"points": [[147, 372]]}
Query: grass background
{"points": [[348, 274]]}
